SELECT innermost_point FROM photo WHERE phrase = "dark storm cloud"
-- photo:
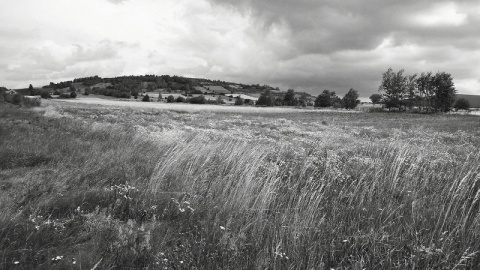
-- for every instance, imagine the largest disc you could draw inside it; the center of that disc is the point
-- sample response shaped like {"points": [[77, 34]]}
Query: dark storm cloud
{"points": [[327, 26], [352, 42]]}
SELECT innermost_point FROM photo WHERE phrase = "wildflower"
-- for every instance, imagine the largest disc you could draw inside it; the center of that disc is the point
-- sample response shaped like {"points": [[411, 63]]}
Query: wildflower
{"points": [[16, 262], [58, 258], [222, 228], [181, 262]]}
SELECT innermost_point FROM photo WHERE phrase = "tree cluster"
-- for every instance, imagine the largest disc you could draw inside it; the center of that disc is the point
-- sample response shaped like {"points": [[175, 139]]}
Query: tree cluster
{"points": [[330, 99], [89, 81], [427, 92]]}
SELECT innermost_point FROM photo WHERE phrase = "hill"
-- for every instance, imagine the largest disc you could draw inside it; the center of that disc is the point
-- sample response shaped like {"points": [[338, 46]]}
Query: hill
{"points": [[124, 86], [473, 99]]}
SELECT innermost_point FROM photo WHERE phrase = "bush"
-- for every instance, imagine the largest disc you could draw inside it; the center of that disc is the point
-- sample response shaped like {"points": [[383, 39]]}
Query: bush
{"points": [[170, 99], [73, 94], [16, 99], [198, 100], [376, 109], [462, 104], [45, 94], [239, 101], [120, 94], [64, 95], [180, 99], [31, 101], [146, 98]]}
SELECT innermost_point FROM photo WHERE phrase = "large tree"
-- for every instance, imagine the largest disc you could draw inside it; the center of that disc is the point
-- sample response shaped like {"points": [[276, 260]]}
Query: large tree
{"points": [[376, 98], [289, 98], [444, 90], [266, 99], [351, 99], [394, 85], [326, 99]]}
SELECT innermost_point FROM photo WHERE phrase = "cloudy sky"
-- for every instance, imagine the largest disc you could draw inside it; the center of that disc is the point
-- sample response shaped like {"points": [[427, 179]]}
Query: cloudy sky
{"points": [[308, 45]]}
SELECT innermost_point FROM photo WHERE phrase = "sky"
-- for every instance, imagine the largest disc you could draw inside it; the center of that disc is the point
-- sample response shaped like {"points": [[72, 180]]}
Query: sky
{"points": [[306, 45]]}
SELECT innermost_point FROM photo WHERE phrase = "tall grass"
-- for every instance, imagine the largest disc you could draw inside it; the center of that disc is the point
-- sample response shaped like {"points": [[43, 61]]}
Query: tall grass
{"points": [[81, 187]]}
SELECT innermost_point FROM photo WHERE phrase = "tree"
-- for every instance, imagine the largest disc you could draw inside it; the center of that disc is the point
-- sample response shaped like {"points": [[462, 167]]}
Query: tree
{"points": [[73, 91], [375, 98], [444, 91], [198, 100], [412, 91], [134, 93], [462, 104], [30, 90], [45, 94], [326, 99], [289, 98], [146, 98], [351, 99], [170, 99], [265, 99], [180, 99], [239, 101], [394, 86], [425, 90]]}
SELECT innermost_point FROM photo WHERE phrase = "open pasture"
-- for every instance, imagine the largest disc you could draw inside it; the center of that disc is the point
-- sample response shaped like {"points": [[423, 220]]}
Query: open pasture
{"points": [[148, 188]]}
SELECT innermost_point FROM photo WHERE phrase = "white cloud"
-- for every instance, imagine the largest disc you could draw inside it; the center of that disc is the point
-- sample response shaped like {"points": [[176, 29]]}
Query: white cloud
{"points": [[443, 14]]}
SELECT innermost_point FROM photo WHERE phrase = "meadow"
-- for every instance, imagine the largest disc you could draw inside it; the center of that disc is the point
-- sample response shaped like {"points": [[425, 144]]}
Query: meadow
{"points": [[88, 186]]}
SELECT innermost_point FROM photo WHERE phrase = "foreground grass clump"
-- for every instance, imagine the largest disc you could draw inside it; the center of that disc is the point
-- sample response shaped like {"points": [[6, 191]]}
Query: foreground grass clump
{"points": [[131, 188]]}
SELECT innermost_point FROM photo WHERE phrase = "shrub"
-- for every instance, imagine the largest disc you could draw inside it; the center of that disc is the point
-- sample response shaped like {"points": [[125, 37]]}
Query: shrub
{"points": [[3, 93], [462, 104], [198, 100], [31, 101], [239, 101], [64, 95], [16, 99], [146, 98], [170, 99], [120, 94], [45, 94], [180, 99], [73, 94], [376, 109]]}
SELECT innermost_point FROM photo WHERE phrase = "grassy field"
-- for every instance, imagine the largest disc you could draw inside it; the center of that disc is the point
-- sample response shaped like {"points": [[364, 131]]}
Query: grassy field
{"points": [[86, 186]]}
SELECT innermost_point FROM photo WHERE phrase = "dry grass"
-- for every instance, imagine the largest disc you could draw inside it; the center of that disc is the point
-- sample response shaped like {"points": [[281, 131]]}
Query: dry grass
{"points": [[132, 188]]}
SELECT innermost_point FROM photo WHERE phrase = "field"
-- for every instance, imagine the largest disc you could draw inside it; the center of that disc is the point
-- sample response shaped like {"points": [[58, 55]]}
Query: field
{"points": [[87, 186]]}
